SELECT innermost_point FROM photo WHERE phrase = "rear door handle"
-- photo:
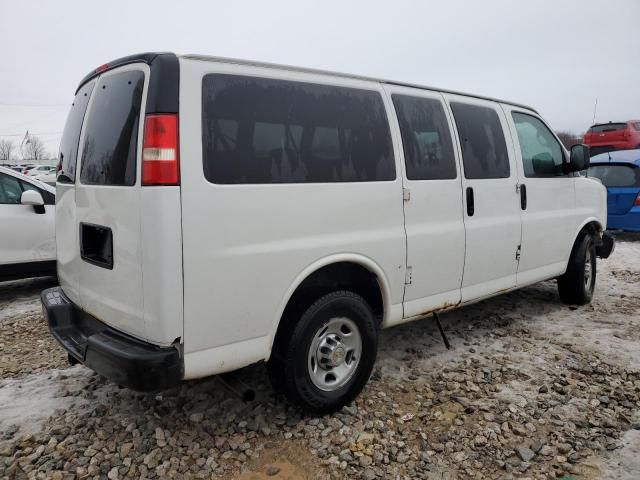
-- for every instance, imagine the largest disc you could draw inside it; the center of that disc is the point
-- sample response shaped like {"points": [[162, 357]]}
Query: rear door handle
{"points": [[470, 202], [523, 197]]}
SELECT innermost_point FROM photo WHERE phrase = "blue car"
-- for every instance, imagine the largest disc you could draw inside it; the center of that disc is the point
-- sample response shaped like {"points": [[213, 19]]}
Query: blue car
{"points": [[619, 171]]}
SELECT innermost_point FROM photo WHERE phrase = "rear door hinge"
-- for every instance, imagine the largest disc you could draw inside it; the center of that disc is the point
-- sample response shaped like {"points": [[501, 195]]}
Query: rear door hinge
{"points": [[406, 194], [518, 250], [407, 276]]}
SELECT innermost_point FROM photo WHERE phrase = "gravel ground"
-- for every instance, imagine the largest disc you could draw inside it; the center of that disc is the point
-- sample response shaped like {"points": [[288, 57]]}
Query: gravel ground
{"points": [[531, 389]]}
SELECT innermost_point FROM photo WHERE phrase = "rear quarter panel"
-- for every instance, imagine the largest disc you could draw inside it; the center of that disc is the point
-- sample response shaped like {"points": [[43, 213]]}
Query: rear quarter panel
{"points": [[245, 246]]}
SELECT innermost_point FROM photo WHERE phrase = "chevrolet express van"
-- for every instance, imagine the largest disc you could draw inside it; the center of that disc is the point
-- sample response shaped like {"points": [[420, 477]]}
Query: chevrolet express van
{"points": [[213, 213]]}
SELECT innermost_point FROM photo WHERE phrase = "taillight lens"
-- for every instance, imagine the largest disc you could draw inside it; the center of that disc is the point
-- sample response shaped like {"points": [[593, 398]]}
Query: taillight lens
{"points": [[636, 202], [160, 150]]}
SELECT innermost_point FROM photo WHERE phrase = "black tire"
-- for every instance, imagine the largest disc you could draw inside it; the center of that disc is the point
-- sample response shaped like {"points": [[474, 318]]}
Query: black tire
{"points": [[573, 286], [288, 366]]}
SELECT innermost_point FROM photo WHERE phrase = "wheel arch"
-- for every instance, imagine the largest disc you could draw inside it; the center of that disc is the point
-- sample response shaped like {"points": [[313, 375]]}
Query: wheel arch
{"points": [[590, 226], [330, 266]]}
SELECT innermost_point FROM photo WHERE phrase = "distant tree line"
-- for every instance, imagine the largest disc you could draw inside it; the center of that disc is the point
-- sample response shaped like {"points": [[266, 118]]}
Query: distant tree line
{"points": [[568, 139], [33, 150]]}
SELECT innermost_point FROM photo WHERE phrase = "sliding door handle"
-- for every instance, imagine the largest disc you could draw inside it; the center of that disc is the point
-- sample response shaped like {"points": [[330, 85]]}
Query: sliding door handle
{"points": [[523, 197], [470, 203]]}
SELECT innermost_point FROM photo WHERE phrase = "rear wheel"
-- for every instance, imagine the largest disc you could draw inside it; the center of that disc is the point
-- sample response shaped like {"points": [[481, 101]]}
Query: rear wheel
{"points": [[576, 286], [327, 356]]}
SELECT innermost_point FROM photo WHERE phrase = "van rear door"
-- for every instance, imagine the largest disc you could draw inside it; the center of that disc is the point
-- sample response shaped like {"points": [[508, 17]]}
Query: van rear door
{"points": [[66, 232], [108, 259]]}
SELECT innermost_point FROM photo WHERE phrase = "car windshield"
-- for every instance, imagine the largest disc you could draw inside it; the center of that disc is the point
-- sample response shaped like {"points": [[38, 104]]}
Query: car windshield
{"points": [[615, 175]]}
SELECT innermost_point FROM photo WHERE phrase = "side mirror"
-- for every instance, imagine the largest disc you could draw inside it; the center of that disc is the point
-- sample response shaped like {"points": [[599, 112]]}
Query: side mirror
{"points": [[580, 158], [31, 197]]}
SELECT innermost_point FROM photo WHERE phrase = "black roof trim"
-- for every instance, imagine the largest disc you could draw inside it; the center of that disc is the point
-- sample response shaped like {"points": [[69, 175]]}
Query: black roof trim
{"points": [[164, 82], [147, 58]]}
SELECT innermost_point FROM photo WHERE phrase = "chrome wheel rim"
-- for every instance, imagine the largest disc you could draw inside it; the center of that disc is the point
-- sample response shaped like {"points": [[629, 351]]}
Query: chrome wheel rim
{"points": [[334, 354], [588, 270]]}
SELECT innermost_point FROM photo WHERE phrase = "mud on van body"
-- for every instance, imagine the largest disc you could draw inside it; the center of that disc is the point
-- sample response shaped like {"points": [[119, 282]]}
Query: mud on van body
{"points": [[213, 213]]}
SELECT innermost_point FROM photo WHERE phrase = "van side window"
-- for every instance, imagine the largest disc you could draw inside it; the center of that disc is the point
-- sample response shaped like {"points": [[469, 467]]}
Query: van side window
{"points": [[259, 130], [484, 150], [111, 139], [71, 135], [426, 139], [541, 152]]}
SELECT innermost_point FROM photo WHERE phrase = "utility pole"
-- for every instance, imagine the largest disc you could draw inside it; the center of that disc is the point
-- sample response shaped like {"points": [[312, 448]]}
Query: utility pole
{"points": [[595, 107]]}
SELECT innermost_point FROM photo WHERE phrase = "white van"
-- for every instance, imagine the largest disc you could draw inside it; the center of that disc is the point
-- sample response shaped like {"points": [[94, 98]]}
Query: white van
{"points": [[213, 213]]}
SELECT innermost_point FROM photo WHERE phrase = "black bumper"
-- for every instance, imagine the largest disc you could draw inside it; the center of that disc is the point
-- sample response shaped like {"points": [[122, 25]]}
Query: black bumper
{"points": [[122, 359], [607, 247]]}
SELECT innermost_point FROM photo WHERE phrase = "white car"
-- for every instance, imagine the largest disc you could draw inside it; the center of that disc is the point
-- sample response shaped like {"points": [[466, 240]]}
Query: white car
{"points": [[213, 213], [27, 226], [41, 170], [48, 178]]}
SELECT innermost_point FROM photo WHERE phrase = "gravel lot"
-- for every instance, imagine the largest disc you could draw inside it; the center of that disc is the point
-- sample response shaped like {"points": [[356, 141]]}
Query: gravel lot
{"points": [[531, 389]]}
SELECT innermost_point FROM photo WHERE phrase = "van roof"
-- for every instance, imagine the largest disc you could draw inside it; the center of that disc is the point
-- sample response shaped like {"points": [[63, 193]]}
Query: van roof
{"points": [[149, 57], [208, 58]]}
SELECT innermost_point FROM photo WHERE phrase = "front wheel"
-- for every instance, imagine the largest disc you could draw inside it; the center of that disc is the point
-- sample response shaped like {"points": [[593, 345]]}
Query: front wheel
{"points": [[576, 286], [328, 356]]}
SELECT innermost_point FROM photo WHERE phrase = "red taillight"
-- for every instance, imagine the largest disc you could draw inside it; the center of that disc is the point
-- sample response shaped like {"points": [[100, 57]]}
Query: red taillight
{"points": [[160, 150], [636, 202], [102, 68]]}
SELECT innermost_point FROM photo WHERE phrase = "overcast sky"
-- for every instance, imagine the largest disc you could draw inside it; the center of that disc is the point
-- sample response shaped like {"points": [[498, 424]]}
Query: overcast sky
{"points": [[555, 55]]}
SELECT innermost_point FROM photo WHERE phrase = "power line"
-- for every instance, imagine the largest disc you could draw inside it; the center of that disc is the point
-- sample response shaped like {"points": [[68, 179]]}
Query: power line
{"points": [[32, 133], [38, 105]]}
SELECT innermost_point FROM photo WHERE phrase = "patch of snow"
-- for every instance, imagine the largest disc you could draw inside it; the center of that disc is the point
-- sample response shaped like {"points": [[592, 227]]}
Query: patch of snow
{"points": [[29, 401], [624, 464]]}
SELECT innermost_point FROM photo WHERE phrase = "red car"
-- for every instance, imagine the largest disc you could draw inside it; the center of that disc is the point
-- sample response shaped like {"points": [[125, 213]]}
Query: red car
{"points": [[605, 137]]}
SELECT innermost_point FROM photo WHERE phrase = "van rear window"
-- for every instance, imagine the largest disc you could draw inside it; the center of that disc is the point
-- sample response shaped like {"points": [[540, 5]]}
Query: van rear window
{"points": [[71, 135], [258, 130], [615, 175], [111, 138], [608, 127]]}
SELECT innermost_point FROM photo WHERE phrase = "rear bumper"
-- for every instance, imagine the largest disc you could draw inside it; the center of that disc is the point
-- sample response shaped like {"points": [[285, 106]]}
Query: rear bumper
{"points": [[124, 360], [629, 222], [607, 246]]}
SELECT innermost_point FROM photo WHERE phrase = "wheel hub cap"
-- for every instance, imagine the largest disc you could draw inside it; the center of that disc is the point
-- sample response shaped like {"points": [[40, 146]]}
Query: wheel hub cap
{"points": [[334, 354]]}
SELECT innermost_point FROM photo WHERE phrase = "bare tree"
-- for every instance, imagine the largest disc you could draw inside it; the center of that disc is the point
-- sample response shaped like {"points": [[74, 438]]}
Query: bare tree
{"points": [[6, 149], [568, 139], [34, 149]]}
